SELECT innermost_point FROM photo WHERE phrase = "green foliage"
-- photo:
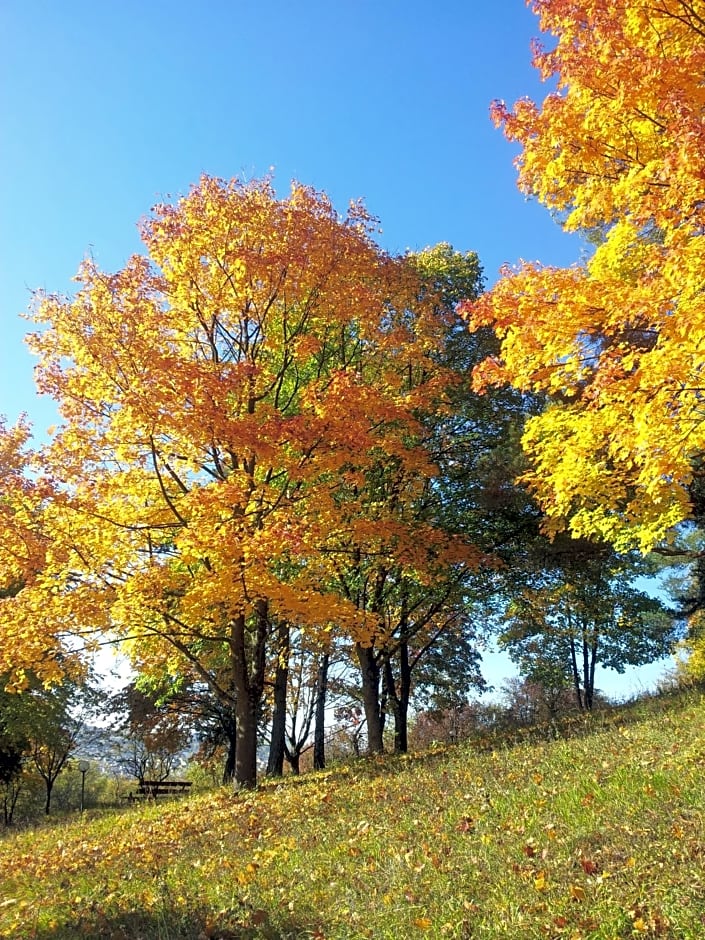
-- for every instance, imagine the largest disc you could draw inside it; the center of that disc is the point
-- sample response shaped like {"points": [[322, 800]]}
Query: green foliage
{"points": [[581, 607], [41, 729], [598, 835], [454, 276]]}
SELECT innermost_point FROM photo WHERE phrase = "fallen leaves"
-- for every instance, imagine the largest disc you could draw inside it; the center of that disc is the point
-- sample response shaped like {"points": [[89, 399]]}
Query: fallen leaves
{"points": [[391, 848]]}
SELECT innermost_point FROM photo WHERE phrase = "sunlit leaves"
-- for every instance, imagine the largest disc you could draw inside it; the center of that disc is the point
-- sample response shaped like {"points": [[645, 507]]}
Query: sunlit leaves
{"points": [[618, 342], [22, 546], [25, 646], [242, 409]]}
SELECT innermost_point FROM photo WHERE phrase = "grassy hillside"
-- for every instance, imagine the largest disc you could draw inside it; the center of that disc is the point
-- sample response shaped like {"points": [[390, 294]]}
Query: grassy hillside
{"points": [[595, 835]]}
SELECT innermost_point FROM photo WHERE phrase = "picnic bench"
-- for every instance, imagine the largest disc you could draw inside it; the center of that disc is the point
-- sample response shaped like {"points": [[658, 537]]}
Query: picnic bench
{"points": [[153, 788]]}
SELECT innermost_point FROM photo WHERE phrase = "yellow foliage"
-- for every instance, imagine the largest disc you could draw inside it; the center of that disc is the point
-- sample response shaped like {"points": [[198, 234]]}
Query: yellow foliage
{"points": [[227, 400], [619, 342]]}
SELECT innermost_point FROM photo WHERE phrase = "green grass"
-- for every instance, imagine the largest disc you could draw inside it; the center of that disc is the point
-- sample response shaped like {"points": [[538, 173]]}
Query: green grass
{"points": [[595, 835]]}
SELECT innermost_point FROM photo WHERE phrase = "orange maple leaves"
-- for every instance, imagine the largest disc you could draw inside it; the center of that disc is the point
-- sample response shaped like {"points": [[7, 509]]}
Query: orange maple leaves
{"points": [[617, 343], [225, 399]]}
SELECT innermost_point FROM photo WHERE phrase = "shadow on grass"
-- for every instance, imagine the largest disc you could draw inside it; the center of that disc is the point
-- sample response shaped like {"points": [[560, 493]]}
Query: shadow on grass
{"points": [[171, 923]]}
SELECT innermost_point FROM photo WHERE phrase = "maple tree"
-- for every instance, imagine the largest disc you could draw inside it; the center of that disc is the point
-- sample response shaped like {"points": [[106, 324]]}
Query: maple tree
{"points": [[616, 151], [27, 649], [222, 398], [402, 573]]}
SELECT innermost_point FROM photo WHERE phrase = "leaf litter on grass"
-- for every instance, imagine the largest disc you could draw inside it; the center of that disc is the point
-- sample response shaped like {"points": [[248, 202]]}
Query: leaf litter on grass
{"points": [[597, 836]]}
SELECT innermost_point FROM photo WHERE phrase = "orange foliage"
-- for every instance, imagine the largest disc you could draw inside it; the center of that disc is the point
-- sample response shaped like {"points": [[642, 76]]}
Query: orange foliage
{"points": [[24, 644], [224, 399], [617, 343]]}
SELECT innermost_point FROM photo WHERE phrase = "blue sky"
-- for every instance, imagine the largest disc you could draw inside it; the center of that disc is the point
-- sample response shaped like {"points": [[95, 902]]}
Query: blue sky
{"points": [[108, 107]]}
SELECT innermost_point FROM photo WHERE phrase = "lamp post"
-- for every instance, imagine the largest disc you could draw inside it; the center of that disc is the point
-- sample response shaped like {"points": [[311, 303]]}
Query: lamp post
{"points": [[83, 766]]}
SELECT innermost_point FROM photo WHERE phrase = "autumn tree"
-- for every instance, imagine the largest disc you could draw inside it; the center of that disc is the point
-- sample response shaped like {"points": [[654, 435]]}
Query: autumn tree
{"points": [[39, 726], [47, 726], [152, 735], [473, 498], [221, 398], [22, 544], [27, 649], [529, 702], [54, 730], [396, 569], [615, 151], [409, 573], [434, 610], [183, 710]]}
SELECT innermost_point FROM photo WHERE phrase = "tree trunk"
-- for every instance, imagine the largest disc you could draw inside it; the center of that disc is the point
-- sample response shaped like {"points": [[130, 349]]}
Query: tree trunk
{"points": [[275, 763], [248, 682], [319, 730], [246, 708], [294, 760], [229, 768], [369, 670], [587, 688], [401, 713], [393, 700], [590, 684], [49, 787], [230, 729], [576, 674]]}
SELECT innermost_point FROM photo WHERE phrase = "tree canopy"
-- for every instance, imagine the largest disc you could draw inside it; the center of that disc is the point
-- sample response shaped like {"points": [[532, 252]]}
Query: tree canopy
{"points": [[616, 151], [583, 607], [240, 415]]}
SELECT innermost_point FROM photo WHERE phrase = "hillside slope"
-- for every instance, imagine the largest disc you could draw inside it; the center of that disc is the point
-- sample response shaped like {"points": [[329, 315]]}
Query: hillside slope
{"points": [[597, 835]]}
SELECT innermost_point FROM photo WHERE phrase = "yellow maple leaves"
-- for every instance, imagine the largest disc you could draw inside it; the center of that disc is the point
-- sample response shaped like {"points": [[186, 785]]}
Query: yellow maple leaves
{"points": [[618, 343], [225, 400], [24, 547]]}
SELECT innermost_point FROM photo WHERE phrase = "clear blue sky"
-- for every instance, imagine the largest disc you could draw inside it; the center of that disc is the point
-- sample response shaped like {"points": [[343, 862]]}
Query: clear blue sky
{"points": [[108, 107]]}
